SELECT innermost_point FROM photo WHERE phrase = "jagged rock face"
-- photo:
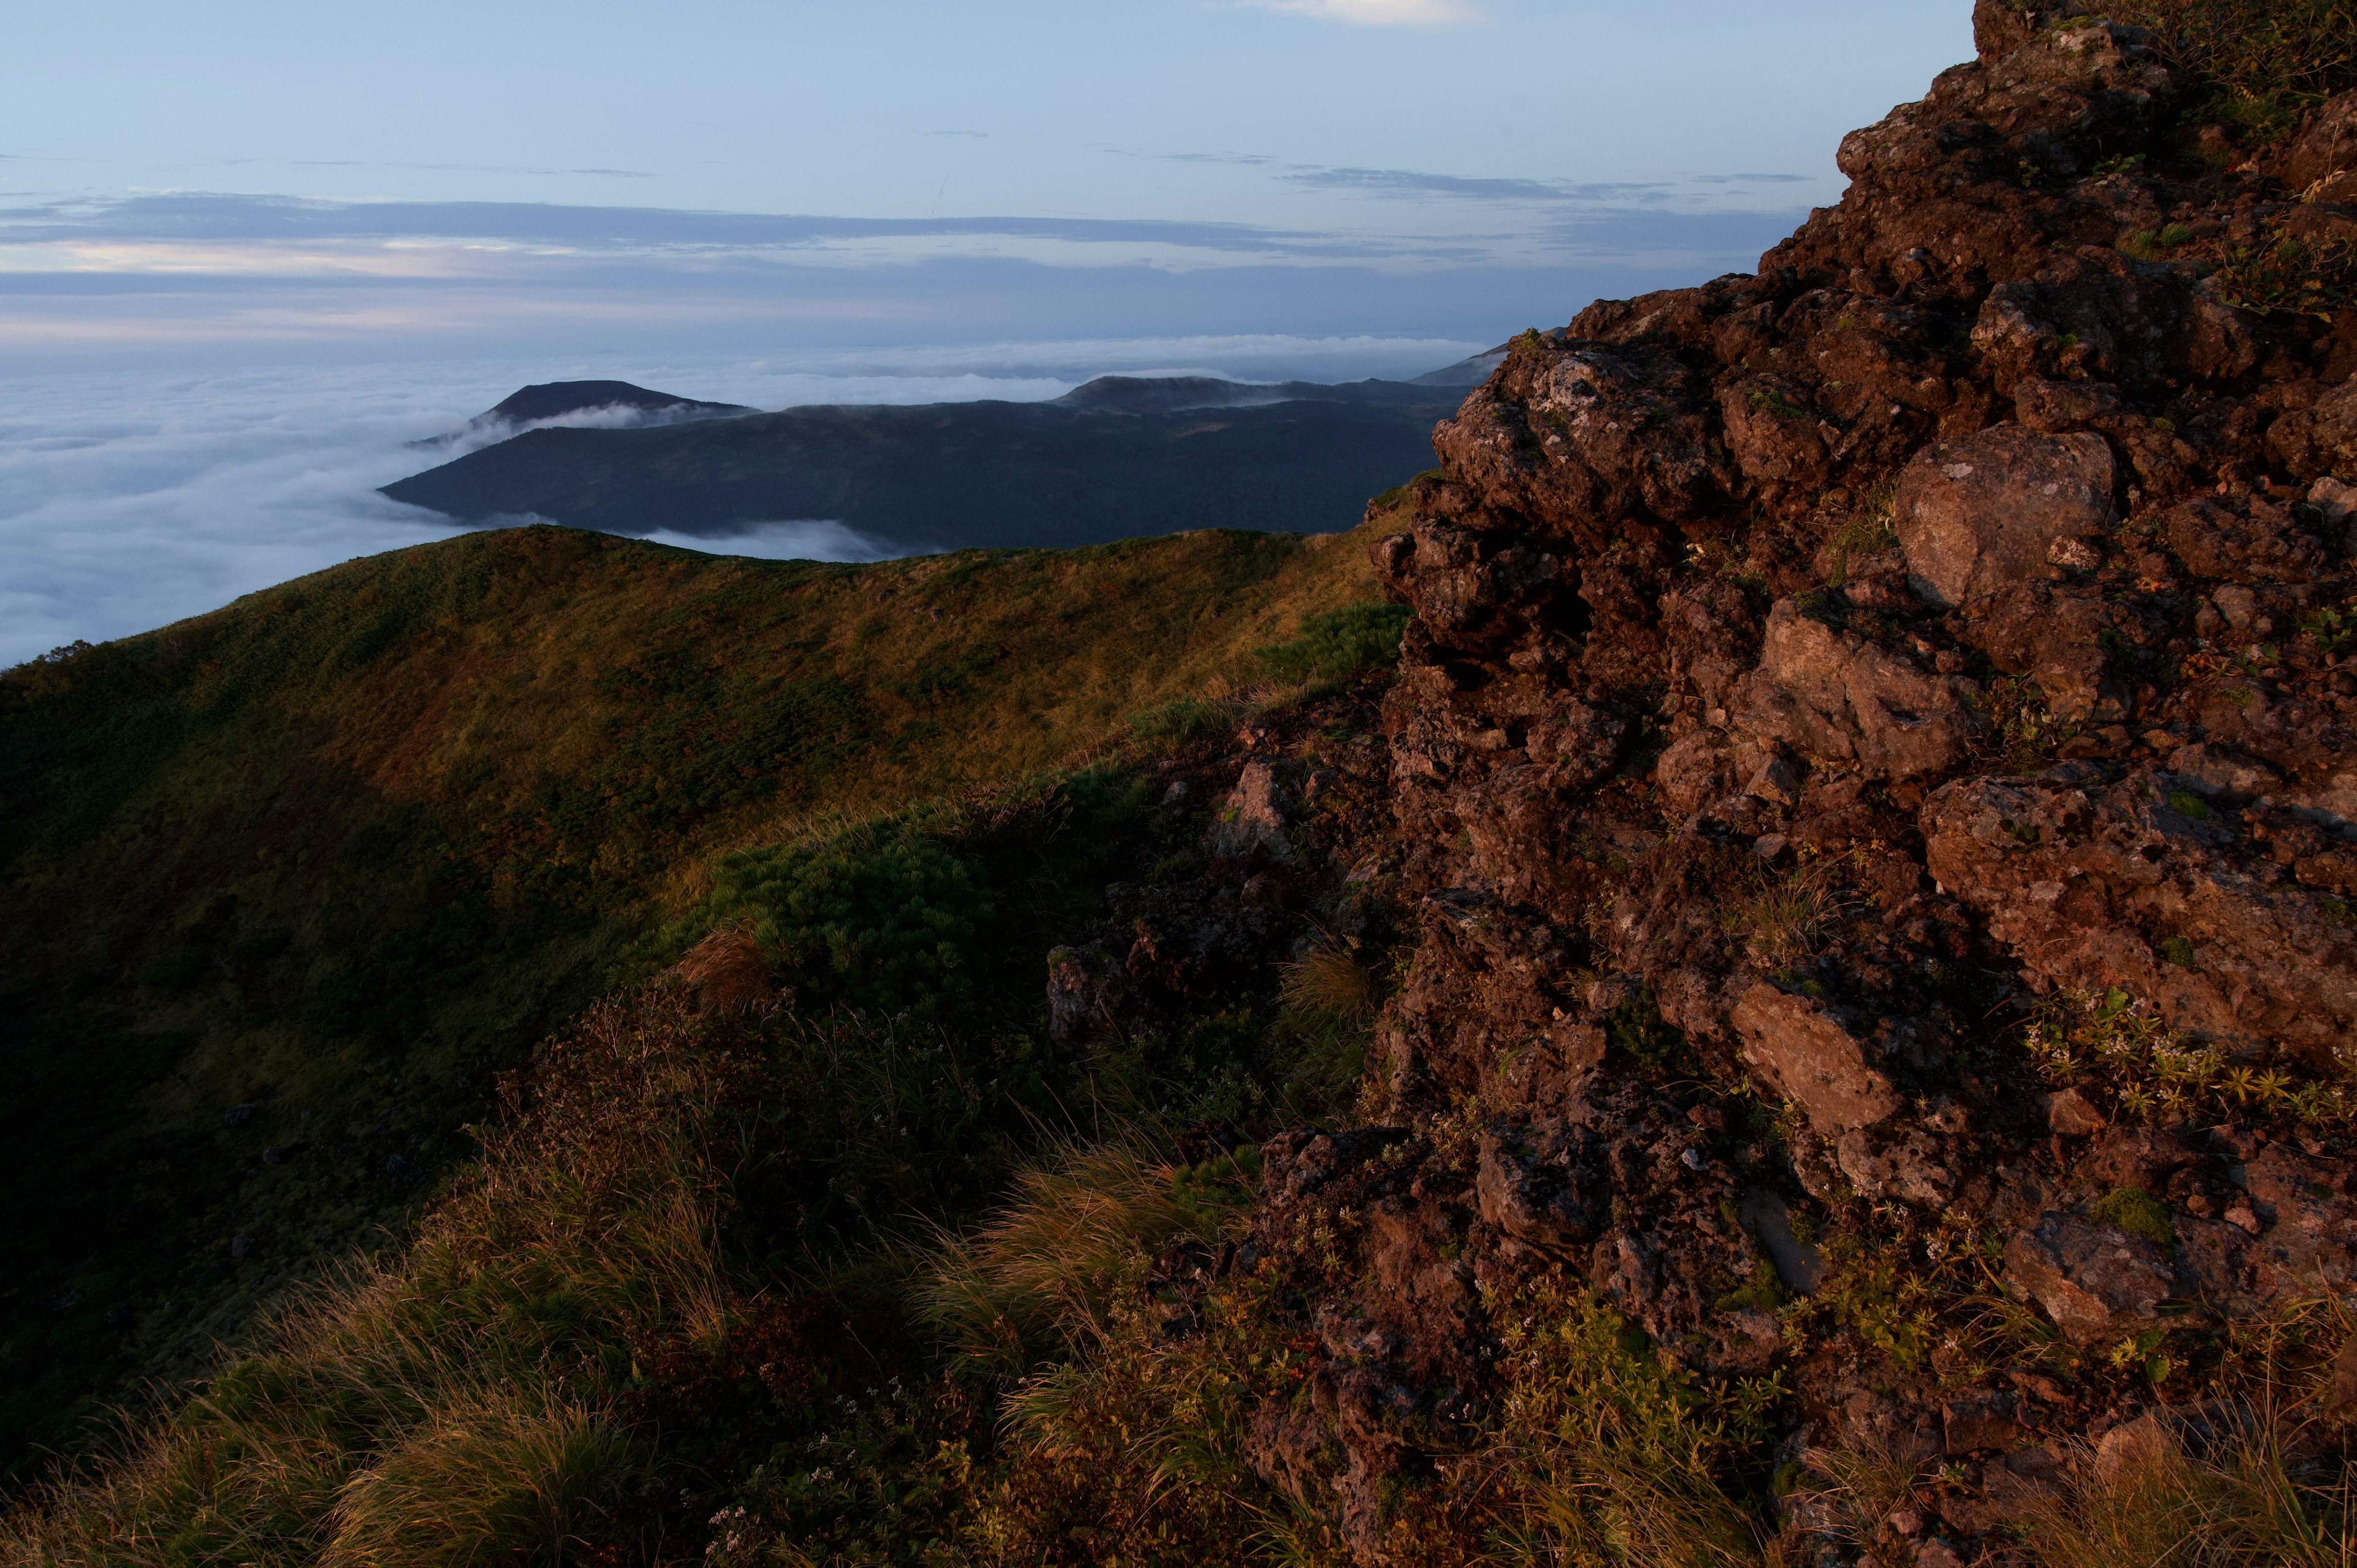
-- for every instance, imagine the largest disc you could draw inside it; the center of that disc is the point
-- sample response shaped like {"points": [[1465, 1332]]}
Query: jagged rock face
{"points": [[1934, 597]]}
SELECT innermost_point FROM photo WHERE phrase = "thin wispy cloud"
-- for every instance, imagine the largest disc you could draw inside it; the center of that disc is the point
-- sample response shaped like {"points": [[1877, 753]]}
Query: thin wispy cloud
{"points": [[201, 215], [1378, 12], [1246, 159], [1411, 182]]}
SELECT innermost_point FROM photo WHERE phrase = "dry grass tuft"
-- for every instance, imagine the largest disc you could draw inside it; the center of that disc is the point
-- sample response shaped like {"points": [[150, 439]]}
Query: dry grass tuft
{"points": [[1329, 982], [1040, 1275], [1861, 1488], [512, 1476], [2243, 1498], [453, 1407], [1793, 918], [727, 972]]}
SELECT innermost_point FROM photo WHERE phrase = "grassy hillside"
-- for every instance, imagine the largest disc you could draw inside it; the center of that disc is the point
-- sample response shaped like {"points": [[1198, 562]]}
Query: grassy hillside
{"points": [[283, 886]]}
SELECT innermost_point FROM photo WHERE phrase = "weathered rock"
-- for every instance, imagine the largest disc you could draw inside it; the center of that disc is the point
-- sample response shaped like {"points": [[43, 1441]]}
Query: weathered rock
{"points": [[2070, 1112], [2219, 774], [1774, 436], [2054, 407], [1798, 1263], [2318, 441], [1462, 584], [2092, 1279], [1255, 815], [1591, 436], [2336, 505], [1666, 674], [2325, 149], [2247, 539], [1799, 1050], [1977, 513], [2056, 636], [1834, 696], [1544, 1185], [1906, 1164], [1980, 1418], [2084, 882], [1089, 998]]}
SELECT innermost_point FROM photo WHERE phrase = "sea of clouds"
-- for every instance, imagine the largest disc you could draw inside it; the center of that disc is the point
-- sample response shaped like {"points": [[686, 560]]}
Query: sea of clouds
{"points": [[129, 499]]}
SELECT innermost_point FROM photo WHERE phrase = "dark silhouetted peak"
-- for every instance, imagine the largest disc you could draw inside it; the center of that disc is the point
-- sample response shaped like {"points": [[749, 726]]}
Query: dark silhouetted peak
{"points": [[1160, 395], [598, 402], [555, 400]]}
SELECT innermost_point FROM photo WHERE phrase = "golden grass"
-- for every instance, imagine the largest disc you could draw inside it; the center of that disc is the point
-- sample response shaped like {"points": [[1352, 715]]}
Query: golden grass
{"points": [[506, 1476], [2241, 1497], [1038, 1275], [1331, 981], [727, 972], [452, 1406]]}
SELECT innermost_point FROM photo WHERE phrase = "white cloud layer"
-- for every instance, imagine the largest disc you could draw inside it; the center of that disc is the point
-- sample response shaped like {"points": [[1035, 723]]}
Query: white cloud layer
{"points": [[1380, 13], [128, 502]]}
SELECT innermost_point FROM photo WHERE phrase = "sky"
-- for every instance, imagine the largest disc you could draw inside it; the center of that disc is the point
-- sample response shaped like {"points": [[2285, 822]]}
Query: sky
{"points": [[341, 227], [253, 181]]}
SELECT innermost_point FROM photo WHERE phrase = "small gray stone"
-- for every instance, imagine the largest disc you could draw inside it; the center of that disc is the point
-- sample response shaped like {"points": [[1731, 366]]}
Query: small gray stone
{"points": [[1799, 1264]]}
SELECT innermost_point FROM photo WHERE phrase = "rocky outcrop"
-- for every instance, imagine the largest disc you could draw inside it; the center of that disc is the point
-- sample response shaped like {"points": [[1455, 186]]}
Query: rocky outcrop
{"points": [[1819, 675], [2089, 883]]}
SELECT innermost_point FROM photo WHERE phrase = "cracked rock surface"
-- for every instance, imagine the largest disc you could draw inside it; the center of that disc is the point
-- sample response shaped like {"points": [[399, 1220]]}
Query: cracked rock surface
{"points": [[1821, 682]]}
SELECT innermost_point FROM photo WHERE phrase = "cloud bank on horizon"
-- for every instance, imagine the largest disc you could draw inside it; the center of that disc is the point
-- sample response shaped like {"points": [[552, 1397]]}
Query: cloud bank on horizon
{"points": [[294, 181]]}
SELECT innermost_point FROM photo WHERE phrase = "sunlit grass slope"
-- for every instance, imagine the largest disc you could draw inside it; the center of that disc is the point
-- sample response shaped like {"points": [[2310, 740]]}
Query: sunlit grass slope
{"points": [[282, 886]]}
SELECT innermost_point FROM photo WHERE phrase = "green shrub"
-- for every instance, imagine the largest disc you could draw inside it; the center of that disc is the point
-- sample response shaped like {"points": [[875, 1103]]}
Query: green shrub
{"points": [[1338, 644], [2258, 64], [1638, 1031], [2285, 273], [176, 971], [882, 921]]}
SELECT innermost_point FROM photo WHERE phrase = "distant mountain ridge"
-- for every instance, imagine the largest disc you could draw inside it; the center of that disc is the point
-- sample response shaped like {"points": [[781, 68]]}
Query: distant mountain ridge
{"points": [[1117, 457]]}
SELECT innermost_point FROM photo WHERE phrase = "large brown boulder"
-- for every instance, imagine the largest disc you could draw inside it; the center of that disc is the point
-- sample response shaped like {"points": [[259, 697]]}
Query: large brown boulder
{"points": [[1985, 511], [2055, 635], [2319, 441], [1836, 697], [1593, 437], [2091, 885]]}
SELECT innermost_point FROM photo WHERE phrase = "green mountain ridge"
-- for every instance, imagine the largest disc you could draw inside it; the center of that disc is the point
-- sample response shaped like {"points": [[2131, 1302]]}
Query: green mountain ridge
{"points": [[285, 886]]}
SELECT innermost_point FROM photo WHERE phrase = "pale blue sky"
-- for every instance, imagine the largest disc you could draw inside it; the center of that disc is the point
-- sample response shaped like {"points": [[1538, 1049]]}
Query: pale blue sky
{"points": [[237, 181]]}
